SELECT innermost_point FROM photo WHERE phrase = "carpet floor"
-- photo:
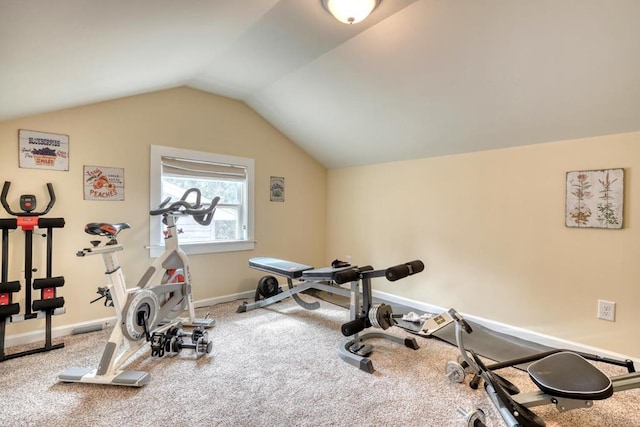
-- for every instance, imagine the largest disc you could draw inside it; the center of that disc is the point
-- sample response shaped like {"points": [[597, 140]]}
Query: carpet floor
{"points": [[275, 366]]}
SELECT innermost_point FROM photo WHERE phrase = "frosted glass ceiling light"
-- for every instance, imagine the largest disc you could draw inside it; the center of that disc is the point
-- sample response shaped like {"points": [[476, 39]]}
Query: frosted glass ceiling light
{"points": [[350, 11]]}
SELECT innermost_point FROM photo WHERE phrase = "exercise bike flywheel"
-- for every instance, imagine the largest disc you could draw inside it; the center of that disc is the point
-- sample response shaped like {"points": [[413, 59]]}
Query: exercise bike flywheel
{"points": [[140, 310]]}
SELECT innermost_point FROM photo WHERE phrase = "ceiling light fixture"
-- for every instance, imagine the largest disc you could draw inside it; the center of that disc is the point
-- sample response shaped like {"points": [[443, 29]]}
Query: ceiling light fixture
{"points": [[350, 11]]}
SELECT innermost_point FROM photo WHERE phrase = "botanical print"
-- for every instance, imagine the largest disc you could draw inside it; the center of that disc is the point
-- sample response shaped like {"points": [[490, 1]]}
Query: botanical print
{"points": [[580, 190], [595, 198], [277, 189], [606, 212]]}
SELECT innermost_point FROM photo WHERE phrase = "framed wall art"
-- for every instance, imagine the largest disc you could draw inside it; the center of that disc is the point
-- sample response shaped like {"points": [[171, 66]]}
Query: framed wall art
{"points": [[102, 183], [277, 189], [594, 199], [41, 150]]}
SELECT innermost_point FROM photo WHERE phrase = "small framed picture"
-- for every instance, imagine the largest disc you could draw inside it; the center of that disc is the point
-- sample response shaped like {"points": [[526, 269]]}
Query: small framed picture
{"points": [[277, 189], [102, 183], [42, 150], [595, 198]]}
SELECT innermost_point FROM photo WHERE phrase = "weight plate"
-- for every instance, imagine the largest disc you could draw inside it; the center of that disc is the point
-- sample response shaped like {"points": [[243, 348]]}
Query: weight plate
{"points": [[380, 316], [268, 286], [454, 372]]}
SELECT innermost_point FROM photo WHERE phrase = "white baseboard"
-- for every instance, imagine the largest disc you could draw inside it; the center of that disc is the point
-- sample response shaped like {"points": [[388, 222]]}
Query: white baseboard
{"points": [[226, 298], [547, 340], [61, 331], [525, 334]]}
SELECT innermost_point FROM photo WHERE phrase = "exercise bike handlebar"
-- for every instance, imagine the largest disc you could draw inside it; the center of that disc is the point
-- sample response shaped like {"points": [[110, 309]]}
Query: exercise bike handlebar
{"points": [[5, 192], [202, 214]]}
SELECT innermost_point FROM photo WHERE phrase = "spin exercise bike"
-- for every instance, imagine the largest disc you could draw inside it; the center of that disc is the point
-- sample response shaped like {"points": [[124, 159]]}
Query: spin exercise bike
{"points": [[564, 378], [148, 312]]}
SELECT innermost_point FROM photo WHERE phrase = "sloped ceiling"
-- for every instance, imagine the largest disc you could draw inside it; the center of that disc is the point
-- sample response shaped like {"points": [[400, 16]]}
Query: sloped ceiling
{"points": [[418, 78]]}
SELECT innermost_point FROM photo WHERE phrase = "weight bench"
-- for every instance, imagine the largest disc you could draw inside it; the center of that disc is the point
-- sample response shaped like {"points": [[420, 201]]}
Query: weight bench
{"points": [[310, 277], [362, 312]]}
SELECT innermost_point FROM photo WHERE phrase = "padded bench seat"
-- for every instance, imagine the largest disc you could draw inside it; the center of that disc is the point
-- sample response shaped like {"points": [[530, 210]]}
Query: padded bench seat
{"points": [[292, 270], [569, 375], [324, 273]]}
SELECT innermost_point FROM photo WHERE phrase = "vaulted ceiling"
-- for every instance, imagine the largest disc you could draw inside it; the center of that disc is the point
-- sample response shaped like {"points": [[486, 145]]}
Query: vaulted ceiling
{"points": [[418, 78]]}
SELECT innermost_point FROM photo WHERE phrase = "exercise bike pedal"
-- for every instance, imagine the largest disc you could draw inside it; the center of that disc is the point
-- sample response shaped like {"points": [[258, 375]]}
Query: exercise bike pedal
{"points": [[158, 343]]}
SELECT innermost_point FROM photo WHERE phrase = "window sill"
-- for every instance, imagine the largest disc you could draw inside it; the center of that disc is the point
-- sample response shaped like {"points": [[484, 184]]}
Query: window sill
{"points": [[207, 248]]}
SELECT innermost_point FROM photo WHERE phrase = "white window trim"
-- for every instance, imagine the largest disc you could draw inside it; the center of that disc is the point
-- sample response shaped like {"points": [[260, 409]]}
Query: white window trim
{"points": [[156, 245]]}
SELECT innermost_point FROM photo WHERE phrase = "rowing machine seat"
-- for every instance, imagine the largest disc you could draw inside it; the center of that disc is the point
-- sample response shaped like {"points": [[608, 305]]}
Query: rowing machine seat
{"points": [[569, 375]]}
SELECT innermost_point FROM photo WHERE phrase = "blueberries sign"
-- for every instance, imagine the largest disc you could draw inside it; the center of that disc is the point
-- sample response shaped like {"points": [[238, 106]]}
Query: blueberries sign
{"points": [[40, 150]]}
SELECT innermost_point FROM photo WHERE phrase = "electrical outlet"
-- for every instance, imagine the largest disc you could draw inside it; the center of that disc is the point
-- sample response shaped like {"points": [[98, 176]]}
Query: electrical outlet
{"points": [[349, 259], [607, 310]]}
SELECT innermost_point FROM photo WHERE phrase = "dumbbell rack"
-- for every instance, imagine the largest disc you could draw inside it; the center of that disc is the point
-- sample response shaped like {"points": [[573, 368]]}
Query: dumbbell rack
{"points": [[49, 304]]}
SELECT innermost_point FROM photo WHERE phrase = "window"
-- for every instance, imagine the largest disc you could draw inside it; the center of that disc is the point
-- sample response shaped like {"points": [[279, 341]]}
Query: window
{"points": [[174, 170]]}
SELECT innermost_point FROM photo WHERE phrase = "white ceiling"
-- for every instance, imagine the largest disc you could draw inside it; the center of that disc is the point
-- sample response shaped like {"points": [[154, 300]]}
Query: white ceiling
{"points": [[418, 78]]}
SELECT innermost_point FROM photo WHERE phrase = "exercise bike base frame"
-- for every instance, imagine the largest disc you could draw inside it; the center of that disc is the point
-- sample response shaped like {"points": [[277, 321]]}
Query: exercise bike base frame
{"points": [[103, 374], [89, 375]]}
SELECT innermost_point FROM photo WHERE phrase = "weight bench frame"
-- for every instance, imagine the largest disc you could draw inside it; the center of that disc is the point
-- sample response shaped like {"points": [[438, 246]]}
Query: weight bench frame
{"points": [[324, 279], [347, 347], [309, 278]]}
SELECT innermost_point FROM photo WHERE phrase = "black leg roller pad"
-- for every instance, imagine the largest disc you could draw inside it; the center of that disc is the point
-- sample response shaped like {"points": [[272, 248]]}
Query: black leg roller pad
{"points": [[47, 288]]}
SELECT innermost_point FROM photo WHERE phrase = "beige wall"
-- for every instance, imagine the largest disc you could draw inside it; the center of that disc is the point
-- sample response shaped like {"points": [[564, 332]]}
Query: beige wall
{"points": [[118, 134], [490, 228]]}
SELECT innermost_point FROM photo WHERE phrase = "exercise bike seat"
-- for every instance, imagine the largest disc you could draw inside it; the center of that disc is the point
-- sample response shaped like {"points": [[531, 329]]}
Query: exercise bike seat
{"points": [[569, 375], [105, 229]]}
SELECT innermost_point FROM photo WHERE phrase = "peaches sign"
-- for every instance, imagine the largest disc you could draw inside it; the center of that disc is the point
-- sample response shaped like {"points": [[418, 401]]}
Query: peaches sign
{"points": [[102, 183]]}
